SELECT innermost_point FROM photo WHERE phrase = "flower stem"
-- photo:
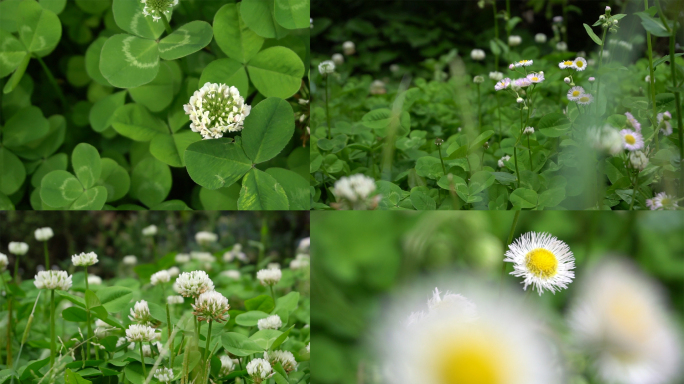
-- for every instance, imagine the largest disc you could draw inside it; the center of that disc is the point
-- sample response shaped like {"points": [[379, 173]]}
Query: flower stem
{"points": [[206, 351], [496, 35], [678, 103], [167, 26], [53, 335], [598, 81], [142, 360], [529, 147], [327, 110], [170, 340], [508, 242], [52, 81], [439, 150], [651, 80], [9, 322], [272, 293], [479, 109], [90, 328], [47, 257], [634, 187]]}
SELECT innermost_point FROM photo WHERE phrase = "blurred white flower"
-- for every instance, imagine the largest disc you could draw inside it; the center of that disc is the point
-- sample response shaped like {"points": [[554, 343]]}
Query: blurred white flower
{"points": [[377, 87], [140, 313], [44, 234], [478, 79], [130, 260], [3, 262], [304, 245], [349, 48], [173, 271], [160, 277], [231, 273], [149, 230], [164, 374], [540, 38], [528, 131], [193, 284], [585, 99], [234, 253], [203, 257], [285, 358], [259, 370], [140, 333], [269, 276], [300, 262], [273, 266], [216, 109], [354, 188], [227, 365], [638, 159], [662, 201], [580, 64], [606, 139], [395, 68], [575, 92], [633, 141], [182, 258], [271, 322], [171, 300], [211, 306], [496, 76], [561, 46], [17, 248], [664, 123], [205, 238], [94, 280], [53, 280], [84, 259], [502, 161], [514, 40], [326, 67], [338, 59], [477, 54]]}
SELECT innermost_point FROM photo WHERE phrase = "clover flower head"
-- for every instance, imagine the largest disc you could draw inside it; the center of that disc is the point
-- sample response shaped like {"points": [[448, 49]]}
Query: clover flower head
{"points": [[202, 257], [337, 58], [606, 139], [3, 262], [536, 77], [478, 79], [215, 109], [662, 201], [130, 260], [304, 245], [269, 277], [326, 67], [160, 277], [59, 280], [638, 159], [558, 19], [94, 280], [540, 38], [496, 76], [204, 237], [193, 284], [164, 374], [150, 230], [271, 322], [235, 253], [84, 259], [632, 122], [664, 123], [523, 63], [171, 300], [502, 84], [633, 140], [17, 248], [259, 370], [514, 40], [140, 313], [377, 87], [477, 54], [575, 92], [300, 262], [155, 8], [211, 306], [502, 161], [354, 188], [44, 234], [182, 258], [349, 48], [285, 358], [140, 333], [231, 274], [227, 365], [528, 131]]}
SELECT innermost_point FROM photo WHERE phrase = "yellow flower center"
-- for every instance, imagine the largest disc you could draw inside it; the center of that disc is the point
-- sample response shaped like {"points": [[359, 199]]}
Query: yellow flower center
{"points": [[541, 263], [584, 99], [665, 201], [630, 139], [470, 361], [579, 64], [568, 63], [575, 93], [535, 78]]}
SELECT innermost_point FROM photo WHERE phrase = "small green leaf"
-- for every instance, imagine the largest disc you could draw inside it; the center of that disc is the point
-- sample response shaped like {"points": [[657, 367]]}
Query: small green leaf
{"points": [[136, 122], [186, 40], [216, 163], [12, 53], [653, 25], [129, 17], [171, 148], [554, 124], [593, 36], [128, 61], [263, 303], [102, 113], [25, 126], [260, 191], [421, 201], [258, 15], [250, 319], [524, 198], [159, 93], [114, 299], [39, 29], [115, 179], [60, 188], [552, 197], [239, 344], [85, 160], [232, 35], [276, 72], [150, 181], [292, 14], [296, 188]]}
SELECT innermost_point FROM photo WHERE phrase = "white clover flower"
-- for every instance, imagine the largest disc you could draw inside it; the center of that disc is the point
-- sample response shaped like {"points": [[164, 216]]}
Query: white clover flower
{"points": [[633, 140], [519, 100], [540, 38], [664, 123], [84, 259], [259, 370], [140, 313], [204, 238], [354, 188], [271, 322], [140, 333], [227, 365], [269, 276], [4, 261], [17, 248], [308, 348], [638, 159], [514, 40], [155, 8], [502, 84], [377, 87], [173, 271], [558, 19], [585, 99], [130, 260], [349, 48], [477, 54], [102, 329], [44, 234], [211, 306], [648, 79], [478, 79], [164, 374], [231, 274], [300, 262], [662, 201], [273, 266], [147, 350], [536, 77], [193, 284], [338, 59], [542, 260], [160, 277], [171, 300], [523, 63], [182, 258], [561, 46], [215, 109], [394, 68], [632, 122], [304, 245], [94, 280], [53, 280], [120, 341], [149, 230], [502, 161], [285, 358], [528, 131], [619, 318], [326, 67], [202, 257], [496, 76], [575, 92]]}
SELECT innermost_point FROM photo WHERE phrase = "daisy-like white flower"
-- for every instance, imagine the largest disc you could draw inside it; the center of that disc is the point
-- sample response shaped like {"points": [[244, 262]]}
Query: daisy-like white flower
{"points": [[523, 63], [457, 305], [354, 188], [664, 123], [140, 313], [216, 109], [662, 201], [269, 277], [259, 370], [193, 284], [59, 280], [521, 83], [160, 277], [638, 159], [633, 140], [171, 300], [619, 318], [326, 67], [496, 76], [528, 131], [271, 322], [164, 374], [632, 122], [150, 230], [211, 306], [514, 40], [140, 333], [580, 64], [285, 358], [44, 234], [182, 258], [377, 87], [566, 64], [585, 99], [227, 365], [3, 262], [543, 261], [575, 92], [231, 274], [503, 160], [338, 59], [502, 84], [349, 48], [204, 237], [17, 248], [94, 280], [536, 77], [477, 54], [156, 8], [84, 259], [130, 260]]}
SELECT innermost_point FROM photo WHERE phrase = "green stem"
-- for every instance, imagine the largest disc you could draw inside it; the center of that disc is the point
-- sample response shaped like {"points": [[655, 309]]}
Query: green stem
{"points": [[167, 26], [678, 103], [170, 340], [509, 240], [52, 81], [598, 80], [327, 110], [529, 148], [272, 293], [47, 257], [90, 328], [53, 335], [142, 360], [9, 330], [496, 35], [16, 269], [439, 150], [634, 187], [206, 351], [651, 80], [498, 112], [479, 110]]}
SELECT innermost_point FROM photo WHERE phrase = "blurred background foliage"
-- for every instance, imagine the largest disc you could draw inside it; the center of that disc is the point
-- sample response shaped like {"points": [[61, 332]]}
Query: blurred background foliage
{"points": [[361, 258], [113, 235]]}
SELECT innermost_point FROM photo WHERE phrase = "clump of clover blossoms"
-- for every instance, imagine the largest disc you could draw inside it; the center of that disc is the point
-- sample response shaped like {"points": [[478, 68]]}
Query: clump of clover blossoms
{"points": [[215, 109], [157, 8]]}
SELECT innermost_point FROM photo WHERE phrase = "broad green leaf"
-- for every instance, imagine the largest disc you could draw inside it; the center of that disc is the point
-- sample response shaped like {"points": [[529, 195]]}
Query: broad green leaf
{"points": [[48, 144], [136, 122], [653, 25], [71, 377], [421, 201], [268, 129], [39, 28], [226, 71], [259, 17], [115, 299], [280, 340], [94, 7], [260, 191], [288, 303], [292, 14], [75, 314], [296, 188], [12, 172], [159, 93], [171, 148], [263, 303], [60, 188], [128, 61], [593, 36], [5, 203], [56, 6], [57, 162], [85, 160], [171, 205], [377, 118], [186, 40], [129, 17], [150, 181], [25, 126], [524, 198], [298, 161], [480, 181], [250, 319], [222, 199], [8, 15], [239, 344], [232, 35], [276, 72], [115, 179], [216, 163], [554, 124], [102, 113], [11, 53], [552, 197], [92, 199], [265, 337], [480, 140], [92, 58]]}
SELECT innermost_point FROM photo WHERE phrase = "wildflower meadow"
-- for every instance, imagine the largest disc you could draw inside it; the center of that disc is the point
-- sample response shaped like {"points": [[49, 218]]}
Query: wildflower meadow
{"points": [[498, 297], [160, 298], [498, 105], [154, 104]]}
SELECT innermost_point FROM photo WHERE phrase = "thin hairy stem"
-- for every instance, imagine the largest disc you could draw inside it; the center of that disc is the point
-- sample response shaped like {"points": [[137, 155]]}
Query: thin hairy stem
{"points": [[53, 334], [598, 80], [142, 360], [327, 108], [508, 242]]}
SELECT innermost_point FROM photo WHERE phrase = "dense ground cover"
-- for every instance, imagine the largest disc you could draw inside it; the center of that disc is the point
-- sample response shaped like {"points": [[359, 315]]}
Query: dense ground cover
{"points": [[497, 105]]}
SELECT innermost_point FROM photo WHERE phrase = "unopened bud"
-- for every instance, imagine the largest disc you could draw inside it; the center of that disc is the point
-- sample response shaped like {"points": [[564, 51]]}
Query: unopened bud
{"points": [[439, 141]]}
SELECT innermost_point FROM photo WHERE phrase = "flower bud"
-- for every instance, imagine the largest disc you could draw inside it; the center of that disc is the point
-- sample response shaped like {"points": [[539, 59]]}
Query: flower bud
{"points": [[519, 100], [567, 80]]}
